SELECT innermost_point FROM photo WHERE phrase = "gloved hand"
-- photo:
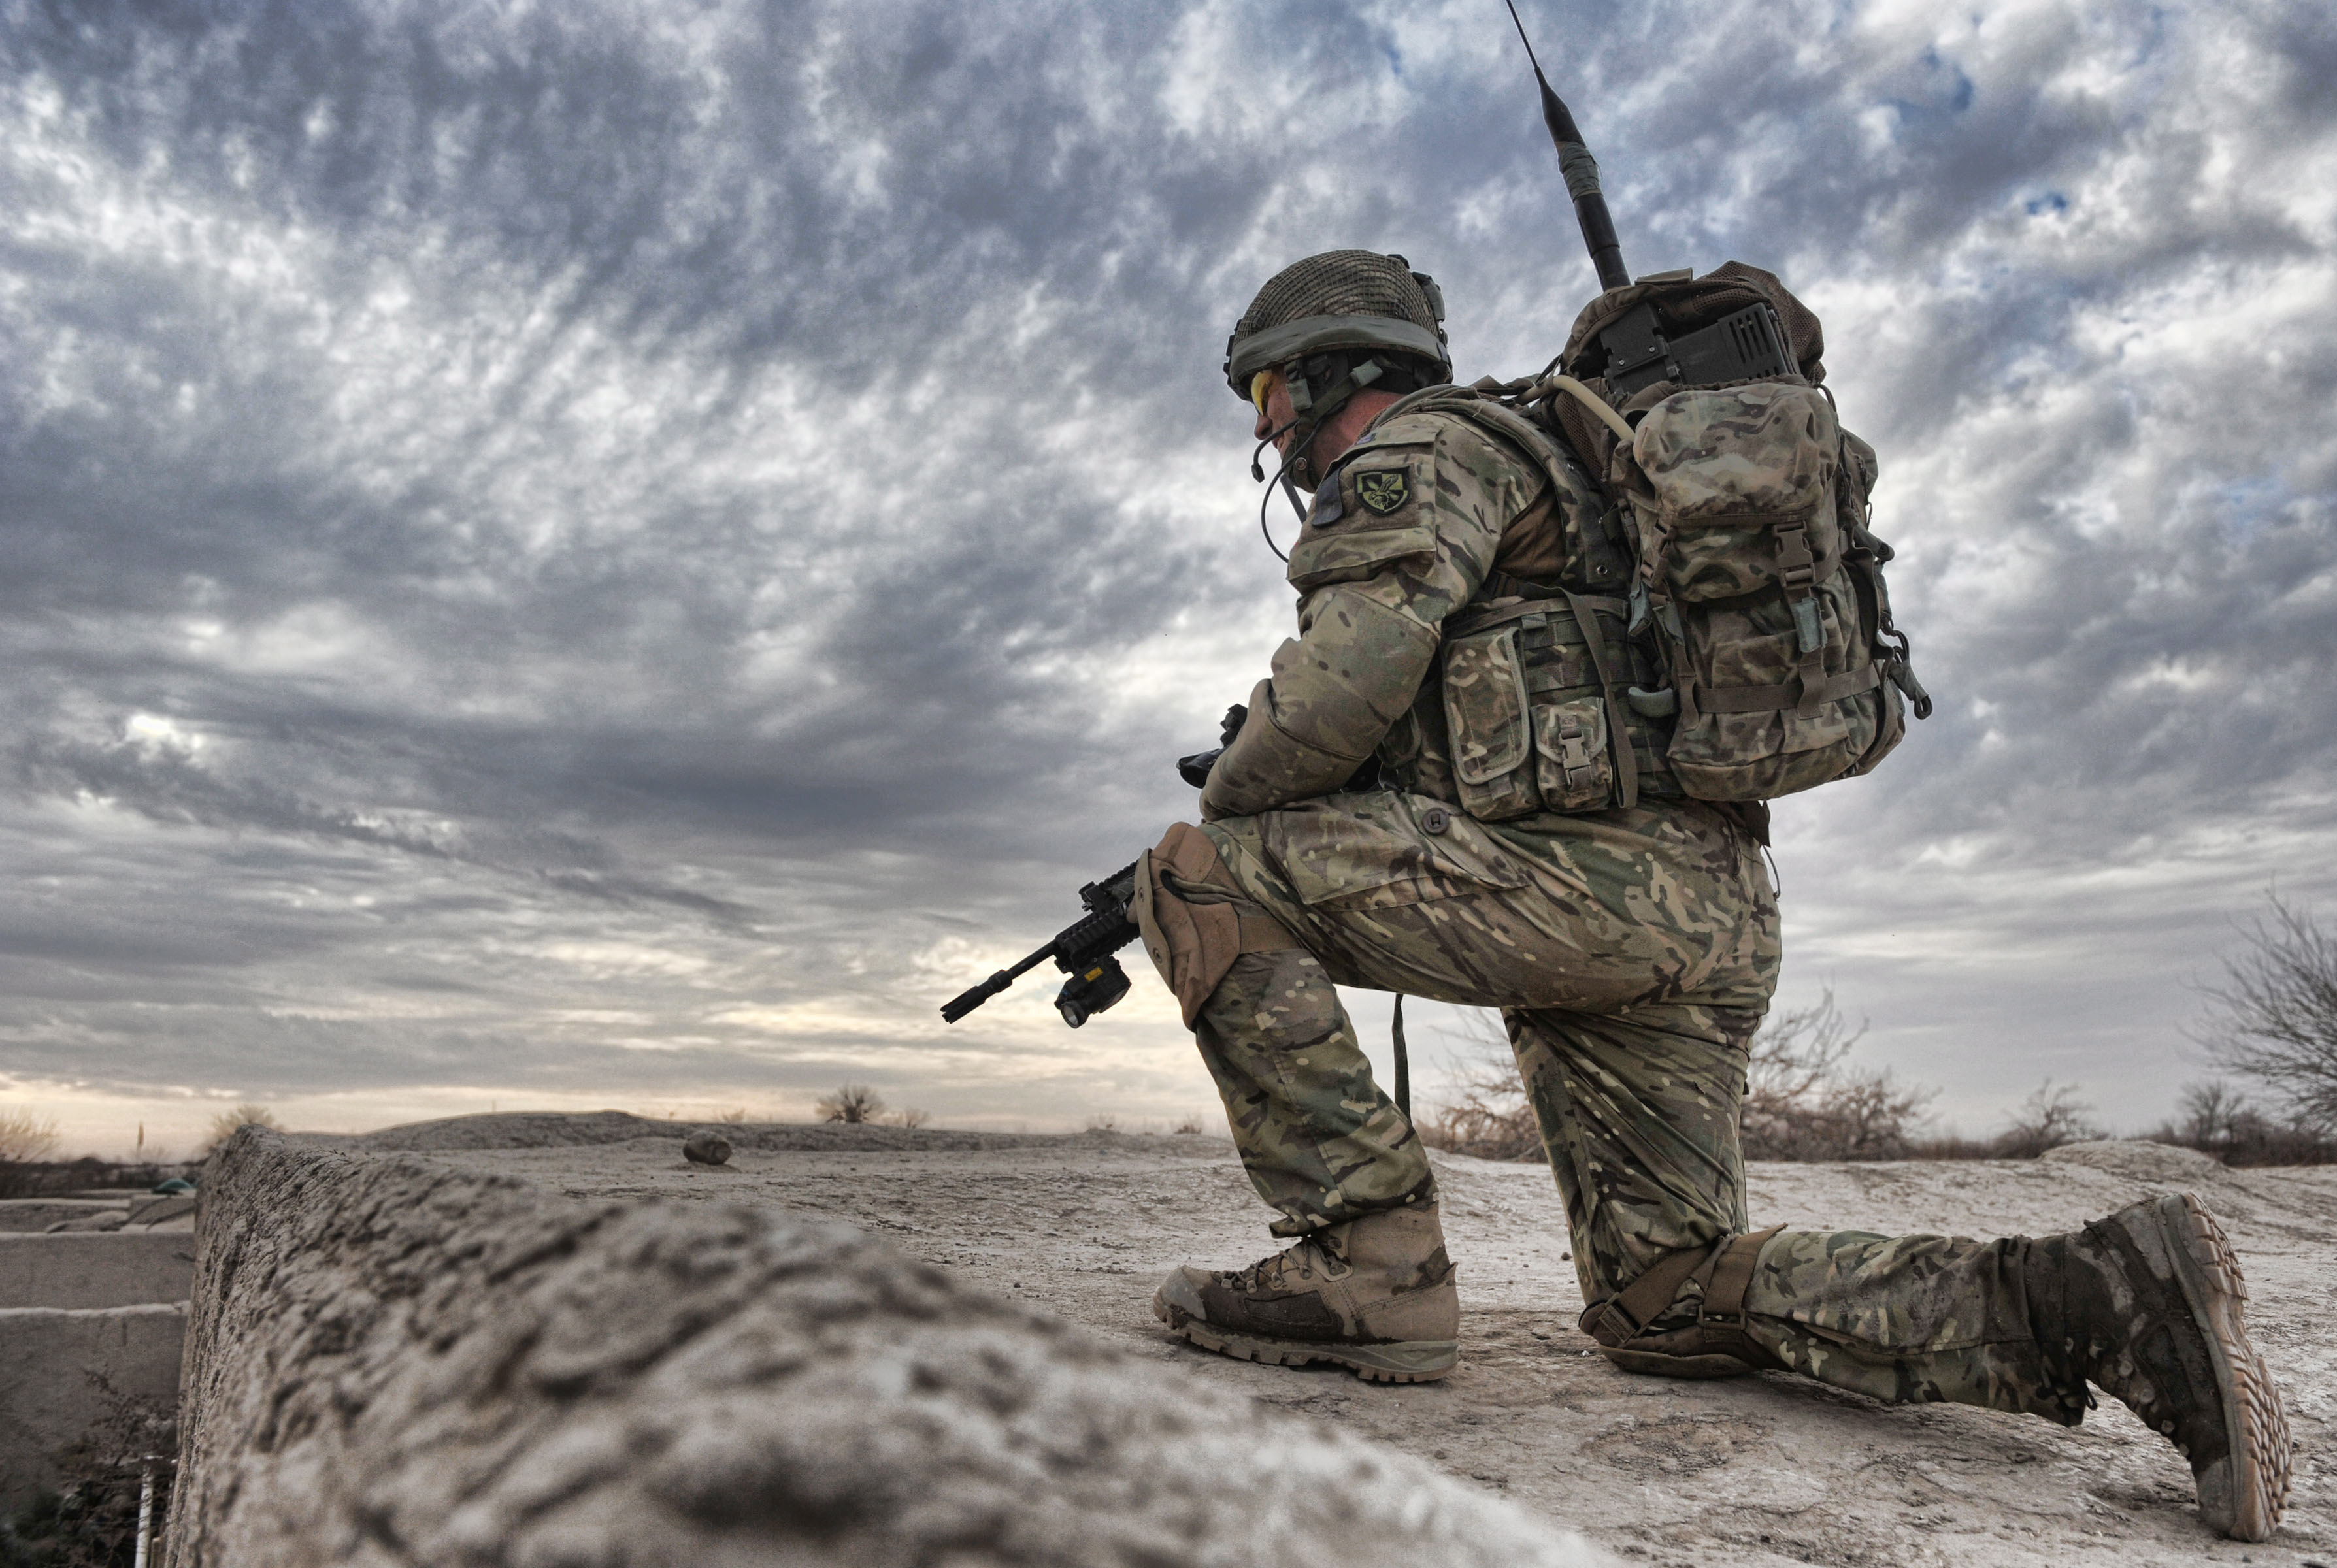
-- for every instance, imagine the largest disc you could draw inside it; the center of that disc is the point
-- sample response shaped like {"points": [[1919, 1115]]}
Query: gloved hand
{"points": [[1195, 769]]}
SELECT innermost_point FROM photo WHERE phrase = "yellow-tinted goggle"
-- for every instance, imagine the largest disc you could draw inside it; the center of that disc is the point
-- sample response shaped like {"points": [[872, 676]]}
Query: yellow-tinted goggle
{"points": [[1261, 386]]}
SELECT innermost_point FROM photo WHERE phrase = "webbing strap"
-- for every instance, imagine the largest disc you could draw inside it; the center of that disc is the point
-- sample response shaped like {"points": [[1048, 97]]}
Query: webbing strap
{"points": [[1720, 1323], [1808, 693], [1618, 735], [1732, 1277], [1621, 1317], [1470, 620]]}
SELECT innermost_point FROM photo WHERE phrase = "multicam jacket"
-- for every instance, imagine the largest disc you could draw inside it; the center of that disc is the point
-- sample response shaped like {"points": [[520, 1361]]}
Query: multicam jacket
{"points": [[1459, 577]]}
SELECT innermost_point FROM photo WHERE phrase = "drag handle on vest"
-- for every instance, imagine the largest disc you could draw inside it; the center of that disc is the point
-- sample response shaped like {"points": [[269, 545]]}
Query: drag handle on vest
{"points": [[1581, 172], [1082, 951]]}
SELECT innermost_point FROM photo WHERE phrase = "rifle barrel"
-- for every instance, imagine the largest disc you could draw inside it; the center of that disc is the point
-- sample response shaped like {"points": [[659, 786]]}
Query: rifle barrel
{"points": [[966, 1001]]}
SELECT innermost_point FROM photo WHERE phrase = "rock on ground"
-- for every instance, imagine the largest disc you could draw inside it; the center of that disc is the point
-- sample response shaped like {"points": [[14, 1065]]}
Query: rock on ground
{"points": [[396, 1362], [1762, 1471]]}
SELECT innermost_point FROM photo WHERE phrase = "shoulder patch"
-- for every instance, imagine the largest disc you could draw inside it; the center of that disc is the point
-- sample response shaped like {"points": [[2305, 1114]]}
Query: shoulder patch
{"points": [[1382, 491]]}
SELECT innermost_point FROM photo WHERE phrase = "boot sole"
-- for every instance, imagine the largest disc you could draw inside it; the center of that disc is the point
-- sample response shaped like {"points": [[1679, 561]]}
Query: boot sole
{"points": [[2244, 1496], [1396, 1361]]}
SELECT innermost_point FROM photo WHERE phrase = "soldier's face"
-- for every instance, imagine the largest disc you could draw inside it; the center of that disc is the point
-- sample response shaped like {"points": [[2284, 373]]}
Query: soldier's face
{"points": [[1271, 394]]}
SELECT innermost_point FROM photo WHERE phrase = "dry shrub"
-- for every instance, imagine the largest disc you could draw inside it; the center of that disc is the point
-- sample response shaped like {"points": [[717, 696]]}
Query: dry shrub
{"points": [[90, 1520], [26, 1138], [906, 1117], [225, 1125], [2049, 1117], [2216, 1119], [1492, 1118], [854, 1103], [1804, 1102], [2275, 1014]]}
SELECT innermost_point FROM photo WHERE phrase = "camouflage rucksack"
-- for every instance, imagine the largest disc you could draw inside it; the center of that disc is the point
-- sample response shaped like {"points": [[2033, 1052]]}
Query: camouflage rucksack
{"points": [[1755, 571]]}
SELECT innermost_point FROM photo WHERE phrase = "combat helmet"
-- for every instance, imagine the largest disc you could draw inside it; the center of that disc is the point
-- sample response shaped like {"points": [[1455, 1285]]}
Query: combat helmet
{"points": [[1329, 317]]}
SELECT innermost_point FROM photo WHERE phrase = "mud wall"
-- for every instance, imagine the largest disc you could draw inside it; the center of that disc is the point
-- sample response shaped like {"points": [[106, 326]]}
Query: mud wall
{"points": [[391, 1363]]}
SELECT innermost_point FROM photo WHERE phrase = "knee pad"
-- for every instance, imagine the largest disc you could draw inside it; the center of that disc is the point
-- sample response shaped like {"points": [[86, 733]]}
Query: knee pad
{"points": [[1715, 1344], [1194, 918]]}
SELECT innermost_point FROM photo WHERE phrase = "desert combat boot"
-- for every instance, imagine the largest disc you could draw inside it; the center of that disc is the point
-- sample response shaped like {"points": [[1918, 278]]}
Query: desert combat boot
{"points": [[2147, 1304], [1374, 1294]]}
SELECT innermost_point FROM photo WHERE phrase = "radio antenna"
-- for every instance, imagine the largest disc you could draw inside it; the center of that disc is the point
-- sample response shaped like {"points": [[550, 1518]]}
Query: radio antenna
{"points": [[1581, 172]]}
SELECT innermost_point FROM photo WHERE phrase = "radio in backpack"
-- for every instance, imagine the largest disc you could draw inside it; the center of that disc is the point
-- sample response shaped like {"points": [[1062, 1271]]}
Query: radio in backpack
{"points": [[1757, 581]]}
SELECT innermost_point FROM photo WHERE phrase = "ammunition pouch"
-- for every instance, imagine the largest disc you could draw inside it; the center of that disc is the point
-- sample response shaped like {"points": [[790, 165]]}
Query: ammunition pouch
{"points": [[1543, 711]]}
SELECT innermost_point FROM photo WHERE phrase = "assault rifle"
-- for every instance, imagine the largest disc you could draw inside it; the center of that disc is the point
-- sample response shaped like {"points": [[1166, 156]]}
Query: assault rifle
{"points": [[1082, 951]]}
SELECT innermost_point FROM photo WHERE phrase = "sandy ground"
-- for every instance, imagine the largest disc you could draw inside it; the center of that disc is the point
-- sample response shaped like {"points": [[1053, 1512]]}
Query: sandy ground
{"points": [[1767, 1469]]}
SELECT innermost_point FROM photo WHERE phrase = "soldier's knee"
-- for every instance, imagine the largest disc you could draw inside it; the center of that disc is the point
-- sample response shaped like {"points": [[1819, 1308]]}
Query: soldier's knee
{"points": [[1195, 919]]}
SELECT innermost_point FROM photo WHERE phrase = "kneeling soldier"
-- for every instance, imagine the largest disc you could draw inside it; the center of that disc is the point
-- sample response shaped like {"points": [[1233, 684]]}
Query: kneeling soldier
{"points": [[1377, 823]]}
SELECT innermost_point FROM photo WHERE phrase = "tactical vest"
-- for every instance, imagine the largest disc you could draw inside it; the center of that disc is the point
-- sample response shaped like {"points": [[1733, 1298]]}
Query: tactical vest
{"points": [[1527, 709], [1723, 633]]}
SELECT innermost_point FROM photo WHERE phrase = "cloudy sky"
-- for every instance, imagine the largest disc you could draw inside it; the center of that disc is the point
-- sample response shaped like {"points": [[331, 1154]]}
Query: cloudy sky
{"points": [[603, 554]]}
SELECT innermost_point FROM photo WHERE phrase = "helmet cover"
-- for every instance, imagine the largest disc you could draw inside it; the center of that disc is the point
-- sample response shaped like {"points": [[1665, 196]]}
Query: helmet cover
{"points": [[1340, 299]]}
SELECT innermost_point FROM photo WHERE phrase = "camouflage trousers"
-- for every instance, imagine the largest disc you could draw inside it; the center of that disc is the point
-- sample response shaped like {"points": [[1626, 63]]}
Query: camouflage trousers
{"points": [[1633, 954]]}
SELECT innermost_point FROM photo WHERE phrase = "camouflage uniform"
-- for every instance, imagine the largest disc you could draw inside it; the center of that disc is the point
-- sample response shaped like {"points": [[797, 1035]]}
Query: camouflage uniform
{"points": [[1632, 951], [1528, 845]]}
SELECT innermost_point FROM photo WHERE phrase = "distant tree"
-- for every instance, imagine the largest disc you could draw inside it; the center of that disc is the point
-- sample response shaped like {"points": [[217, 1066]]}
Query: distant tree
{"points": [[1489, 1116], [2274, 1017], [26, 1138], [225, 1125], [854, 1103], [1803, 1102], [2209, 1111], [2049, 1117], [912, 1118]]}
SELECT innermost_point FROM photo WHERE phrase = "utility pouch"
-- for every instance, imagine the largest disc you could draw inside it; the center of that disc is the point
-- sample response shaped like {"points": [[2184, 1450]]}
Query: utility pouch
{"points": [[1572, 761], [1535, 706], [1737, 494], [1489, 719]]}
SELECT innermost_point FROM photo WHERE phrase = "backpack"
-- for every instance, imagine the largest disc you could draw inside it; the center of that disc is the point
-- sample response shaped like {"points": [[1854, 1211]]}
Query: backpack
{"points": [[1756, 574]]}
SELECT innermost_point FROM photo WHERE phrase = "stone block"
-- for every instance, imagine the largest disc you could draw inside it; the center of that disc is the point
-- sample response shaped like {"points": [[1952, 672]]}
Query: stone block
{"points": [[48, 1396], [37, 1214], [81, 1270], [394, 1363]]}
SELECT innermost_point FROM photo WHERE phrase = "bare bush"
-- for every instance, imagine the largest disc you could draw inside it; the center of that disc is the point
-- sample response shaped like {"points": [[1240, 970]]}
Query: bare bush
{"points": [[1802, 1101], [910, 1118], [2216, 1119], [1190, 1124], [2275, 1014], [26, 1138], [854, 1103], [2050, 1117], [734, 1116], [1492, 1118], [224, 1124], [90, 1520]]}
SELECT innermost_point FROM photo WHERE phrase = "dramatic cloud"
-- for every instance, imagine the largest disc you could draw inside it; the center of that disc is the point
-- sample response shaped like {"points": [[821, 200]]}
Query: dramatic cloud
{"points": [[622, 552]]}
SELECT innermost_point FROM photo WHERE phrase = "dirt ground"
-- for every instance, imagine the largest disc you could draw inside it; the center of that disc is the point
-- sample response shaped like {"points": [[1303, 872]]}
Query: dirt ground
{"points": [[1756, 1470]]}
